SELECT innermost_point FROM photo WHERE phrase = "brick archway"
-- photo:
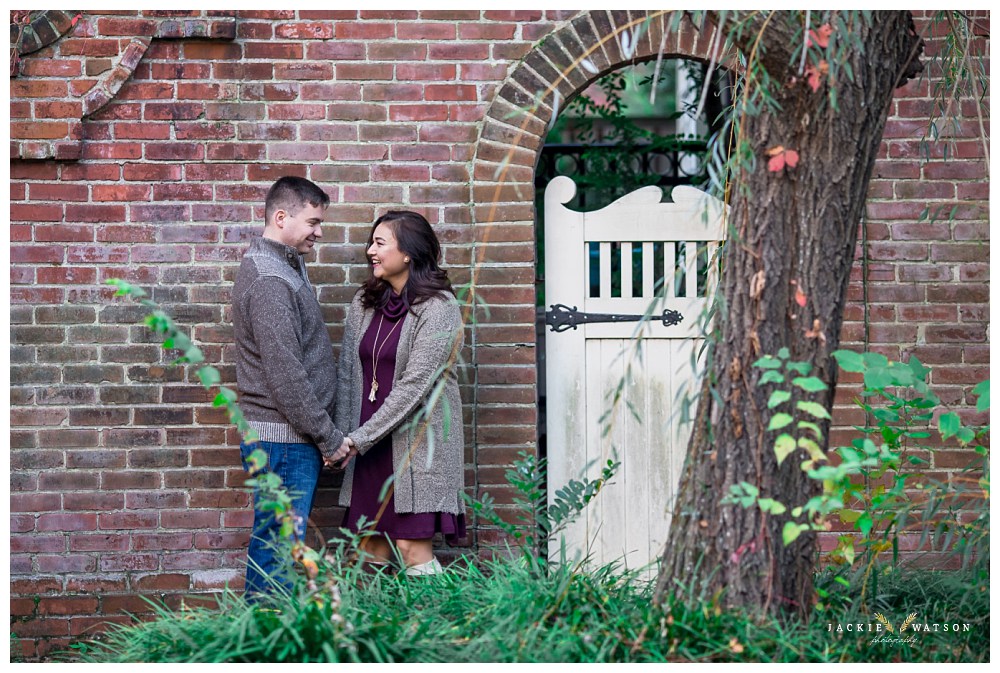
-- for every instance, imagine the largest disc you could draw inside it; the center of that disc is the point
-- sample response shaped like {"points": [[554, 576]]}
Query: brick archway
{"points": [[560, 66]]}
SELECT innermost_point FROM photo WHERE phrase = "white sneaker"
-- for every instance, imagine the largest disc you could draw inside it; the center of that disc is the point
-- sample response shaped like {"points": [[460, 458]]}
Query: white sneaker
{"points": [[432, 567]]}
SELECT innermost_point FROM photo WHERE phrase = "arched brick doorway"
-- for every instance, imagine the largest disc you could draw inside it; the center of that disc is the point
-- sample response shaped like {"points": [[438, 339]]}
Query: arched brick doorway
{"points": [[563, 64]]}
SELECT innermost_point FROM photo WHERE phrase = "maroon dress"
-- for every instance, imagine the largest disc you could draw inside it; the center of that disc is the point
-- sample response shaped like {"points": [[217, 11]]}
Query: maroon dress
{"points": [[374, 468]]}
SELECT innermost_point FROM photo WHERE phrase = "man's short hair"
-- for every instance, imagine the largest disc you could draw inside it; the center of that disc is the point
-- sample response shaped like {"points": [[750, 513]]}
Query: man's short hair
{"points": [[291, 194]]}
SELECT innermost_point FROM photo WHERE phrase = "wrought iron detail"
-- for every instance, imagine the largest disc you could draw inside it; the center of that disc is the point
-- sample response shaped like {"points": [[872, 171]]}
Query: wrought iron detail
{"points": [[561, 317]]}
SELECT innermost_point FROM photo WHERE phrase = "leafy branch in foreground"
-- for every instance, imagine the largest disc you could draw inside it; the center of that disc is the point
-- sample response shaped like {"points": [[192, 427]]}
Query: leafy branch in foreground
{"points": [[272, 496]]}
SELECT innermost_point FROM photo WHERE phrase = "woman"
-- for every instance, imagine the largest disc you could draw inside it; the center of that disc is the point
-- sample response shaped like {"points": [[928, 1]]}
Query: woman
{"points": [[396, 389]]}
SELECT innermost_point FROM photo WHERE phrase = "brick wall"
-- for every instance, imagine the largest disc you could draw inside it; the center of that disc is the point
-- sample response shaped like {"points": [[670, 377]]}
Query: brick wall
{"points": [[142, 144]]}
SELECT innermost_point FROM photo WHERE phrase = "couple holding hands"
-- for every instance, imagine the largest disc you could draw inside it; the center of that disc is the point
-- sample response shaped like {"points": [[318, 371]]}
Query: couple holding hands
{"points": [[367, 414]]}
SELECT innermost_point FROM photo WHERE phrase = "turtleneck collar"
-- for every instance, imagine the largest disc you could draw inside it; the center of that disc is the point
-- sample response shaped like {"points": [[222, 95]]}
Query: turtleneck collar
{"points": [[395, 306]]}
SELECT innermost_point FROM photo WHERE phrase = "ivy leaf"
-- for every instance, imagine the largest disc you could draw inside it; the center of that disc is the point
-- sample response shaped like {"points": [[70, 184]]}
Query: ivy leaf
{"points": [[767, 362], [849, 361], [810, 384], [813, 409], [812, 448], [792, 531], [779, 421], [949, 424], [777, 397], [771, 376], [209, 376], [809, 425], [769, 506], [783, 446], [983, 390], [799, 367]]}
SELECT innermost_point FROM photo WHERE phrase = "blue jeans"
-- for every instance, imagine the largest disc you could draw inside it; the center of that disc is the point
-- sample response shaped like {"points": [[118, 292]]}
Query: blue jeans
{"points": [[299, 466]]}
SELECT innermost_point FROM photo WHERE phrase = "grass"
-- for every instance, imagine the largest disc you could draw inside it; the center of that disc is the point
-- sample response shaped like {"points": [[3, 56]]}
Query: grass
{"points": [[511, 610]]}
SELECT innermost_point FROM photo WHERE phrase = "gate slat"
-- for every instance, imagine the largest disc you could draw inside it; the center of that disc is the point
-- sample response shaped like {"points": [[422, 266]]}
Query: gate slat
{"points": [[648, 282]]}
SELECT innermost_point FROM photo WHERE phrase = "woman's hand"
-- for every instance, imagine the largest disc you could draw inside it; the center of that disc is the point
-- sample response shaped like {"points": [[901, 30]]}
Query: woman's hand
{"points": [[352, 451], [341, 457]]}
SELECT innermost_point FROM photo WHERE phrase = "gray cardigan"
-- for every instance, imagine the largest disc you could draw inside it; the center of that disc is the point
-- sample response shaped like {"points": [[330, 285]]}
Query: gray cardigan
{"points": [[431, 338]]}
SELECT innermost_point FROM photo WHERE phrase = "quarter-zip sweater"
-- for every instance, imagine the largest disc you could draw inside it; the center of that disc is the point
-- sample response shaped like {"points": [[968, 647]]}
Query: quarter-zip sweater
{"points": [[285, 370]]}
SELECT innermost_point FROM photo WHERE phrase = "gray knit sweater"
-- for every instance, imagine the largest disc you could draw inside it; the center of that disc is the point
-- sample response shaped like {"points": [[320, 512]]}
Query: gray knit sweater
{"points": [[285, 370], [426, 480]]}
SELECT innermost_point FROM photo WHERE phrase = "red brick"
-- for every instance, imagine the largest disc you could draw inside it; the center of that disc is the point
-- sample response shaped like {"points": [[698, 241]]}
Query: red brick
{"points": [[128, 520], [214, 51], [35, 213], [418, 112], [314, 30], [115, 150], [144, 131], [397, 51], [182, 71], [459, 52], [346, 30], [175, 152], [66, 522], [120, 192], [58, 192]]}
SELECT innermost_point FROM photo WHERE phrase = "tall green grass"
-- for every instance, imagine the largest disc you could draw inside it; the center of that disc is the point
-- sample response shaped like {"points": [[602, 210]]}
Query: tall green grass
{"points": [[514, 610]]}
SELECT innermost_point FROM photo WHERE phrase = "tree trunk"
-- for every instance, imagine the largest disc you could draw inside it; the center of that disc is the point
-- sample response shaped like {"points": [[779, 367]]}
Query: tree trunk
{"points": [[798, 227]]}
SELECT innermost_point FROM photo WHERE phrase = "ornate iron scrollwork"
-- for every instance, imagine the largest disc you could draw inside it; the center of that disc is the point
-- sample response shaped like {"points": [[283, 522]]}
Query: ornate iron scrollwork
{"points": [[561, 317]]}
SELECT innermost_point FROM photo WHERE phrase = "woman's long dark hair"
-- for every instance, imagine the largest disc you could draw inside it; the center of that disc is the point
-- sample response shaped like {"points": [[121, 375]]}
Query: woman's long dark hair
{"points": [[416, 239]]}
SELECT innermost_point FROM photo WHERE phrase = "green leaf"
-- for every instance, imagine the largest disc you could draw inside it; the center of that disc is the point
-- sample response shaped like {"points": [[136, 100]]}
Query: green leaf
{"points": [[779, 421], [777, 397], [209, 376], [965, 435], [809, 425], [783, 353], [865, 523], [812, 448], [849, 515], [983, 390], [875, 360], [791, 531], [949, 424], [769, 506], [802, 368], [767, 362], [771, 376], [783, 445], [813, 409], [878, 378], [225, 396], [849, 361], [810, 384], [917, 367]]}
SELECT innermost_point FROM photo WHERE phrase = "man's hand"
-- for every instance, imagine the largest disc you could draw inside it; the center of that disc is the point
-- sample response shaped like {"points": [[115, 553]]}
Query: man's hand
{"points": [[342, 456]]}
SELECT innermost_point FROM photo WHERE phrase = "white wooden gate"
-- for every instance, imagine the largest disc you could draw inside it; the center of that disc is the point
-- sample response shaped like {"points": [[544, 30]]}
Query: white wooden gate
{"points": [[608, 265]]}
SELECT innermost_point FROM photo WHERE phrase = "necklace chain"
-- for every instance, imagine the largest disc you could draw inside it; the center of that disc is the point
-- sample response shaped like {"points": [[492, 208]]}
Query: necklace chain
{"points": [[377, 351]]}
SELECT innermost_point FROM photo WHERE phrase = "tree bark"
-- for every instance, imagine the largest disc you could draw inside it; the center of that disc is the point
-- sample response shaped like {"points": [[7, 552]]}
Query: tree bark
{"points": [[799, 227]]}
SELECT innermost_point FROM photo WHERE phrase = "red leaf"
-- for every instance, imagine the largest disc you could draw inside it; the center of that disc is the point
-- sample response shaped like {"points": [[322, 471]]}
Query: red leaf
{"points": [[781, 157], [812, 77], [800, 296], [821, 36]]}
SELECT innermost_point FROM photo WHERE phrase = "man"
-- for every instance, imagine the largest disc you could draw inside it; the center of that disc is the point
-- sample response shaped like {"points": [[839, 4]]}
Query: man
{"points": [[285, 371]]}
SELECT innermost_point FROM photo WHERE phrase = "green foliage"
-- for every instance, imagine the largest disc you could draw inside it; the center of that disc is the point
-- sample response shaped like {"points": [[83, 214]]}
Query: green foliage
{"points": [[875, 485], [174, 339], [539, 521]]}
